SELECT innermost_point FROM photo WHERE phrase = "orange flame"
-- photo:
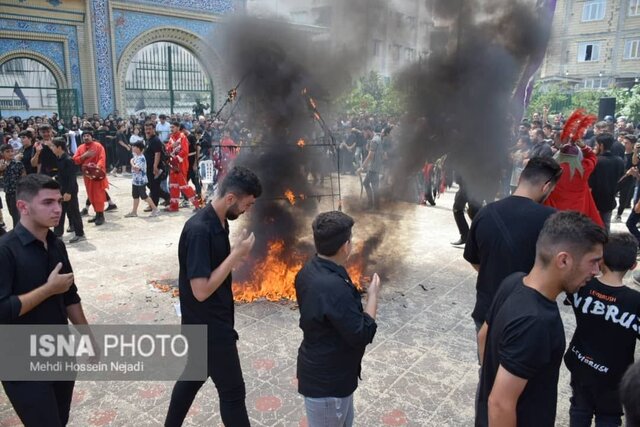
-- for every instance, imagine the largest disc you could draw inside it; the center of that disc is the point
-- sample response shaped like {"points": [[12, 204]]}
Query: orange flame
{"points": [[317, 116], [273, 277], [313, 103], [290, 196], [301, 142]]}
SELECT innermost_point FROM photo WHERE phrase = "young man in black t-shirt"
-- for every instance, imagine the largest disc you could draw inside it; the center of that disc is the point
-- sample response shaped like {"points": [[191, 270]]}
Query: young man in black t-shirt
{"points": [[502, 238], [206, 260], [522, 341], [604, 343]]}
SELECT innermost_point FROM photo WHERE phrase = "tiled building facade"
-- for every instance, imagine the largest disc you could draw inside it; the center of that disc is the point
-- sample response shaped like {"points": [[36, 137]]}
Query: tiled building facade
{"points": [[88, 45]]}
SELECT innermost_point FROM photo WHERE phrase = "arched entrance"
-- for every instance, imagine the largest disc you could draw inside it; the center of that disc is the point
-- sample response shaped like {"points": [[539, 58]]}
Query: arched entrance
{"points": [[27, 87], [164, 77]]}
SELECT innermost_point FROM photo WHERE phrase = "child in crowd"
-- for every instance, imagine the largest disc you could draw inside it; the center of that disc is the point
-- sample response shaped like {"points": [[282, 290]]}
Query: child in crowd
{"points": [[604, 342], [139, 181], [13, 171]]}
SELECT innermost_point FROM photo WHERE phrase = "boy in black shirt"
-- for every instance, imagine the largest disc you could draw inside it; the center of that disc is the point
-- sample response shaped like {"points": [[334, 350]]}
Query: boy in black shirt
{"points": [[523, 331], [603, 345]]}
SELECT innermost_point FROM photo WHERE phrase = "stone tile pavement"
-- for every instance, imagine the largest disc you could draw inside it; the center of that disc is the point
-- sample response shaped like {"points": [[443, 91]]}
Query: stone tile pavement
{"points": [[421, 369]]}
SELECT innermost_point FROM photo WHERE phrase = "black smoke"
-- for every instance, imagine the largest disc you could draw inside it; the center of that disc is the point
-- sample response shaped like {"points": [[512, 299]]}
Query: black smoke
{"points": [[464, 99]]}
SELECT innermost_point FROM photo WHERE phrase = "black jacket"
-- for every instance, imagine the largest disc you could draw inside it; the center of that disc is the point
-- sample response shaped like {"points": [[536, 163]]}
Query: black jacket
{"points": [[604, 180], [67, 175], [336, 330]]}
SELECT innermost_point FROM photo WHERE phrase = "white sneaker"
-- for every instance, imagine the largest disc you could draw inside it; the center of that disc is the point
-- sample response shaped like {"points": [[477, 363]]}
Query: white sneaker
{"points": [[154, 213]]}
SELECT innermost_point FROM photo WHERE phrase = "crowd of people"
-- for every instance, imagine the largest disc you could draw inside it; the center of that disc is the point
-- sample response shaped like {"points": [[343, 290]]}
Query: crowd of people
{"points": [[549, 235]]}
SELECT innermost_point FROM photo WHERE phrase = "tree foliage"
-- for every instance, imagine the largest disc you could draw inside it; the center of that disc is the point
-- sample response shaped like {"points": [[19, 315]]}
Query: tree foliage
{"points": [[371, 95], [562, 98]]}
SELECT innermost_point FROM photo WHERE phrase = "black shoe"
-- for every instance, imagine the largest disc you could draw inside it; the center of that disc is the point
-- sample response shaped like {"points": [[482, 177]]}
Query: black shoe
{"points": [[77, 238], [111, 207], [84, 212], [70, 229], [99, 219], [93, 219], [147, 209], [459, 242]]}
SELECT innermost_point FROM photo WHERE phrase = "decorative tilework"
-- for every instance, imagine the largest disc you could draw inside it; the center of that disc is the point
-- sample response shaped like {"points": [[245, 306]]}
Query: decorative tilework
{"points": [[52, 50], [56, 53], [130, 25], [102, 48], [216, 6]]}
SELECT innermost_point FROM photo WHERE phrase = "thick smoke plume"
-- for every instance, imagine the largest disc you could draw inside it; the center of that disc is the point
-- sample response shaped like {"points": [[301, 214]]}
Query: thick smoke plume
{"points": [[465, 99], [281, 69]]}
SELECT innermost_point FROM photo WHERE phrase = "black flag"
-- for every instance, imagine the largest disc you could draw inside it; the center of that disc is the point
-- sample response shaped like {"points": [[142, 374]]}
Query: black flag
{"points": [[20, 94]]}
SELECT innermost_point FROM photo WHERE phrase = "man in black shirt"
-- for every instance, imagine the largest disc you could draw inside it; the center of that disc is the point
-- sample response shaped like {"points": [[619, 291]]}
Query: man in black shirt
{"points": [[68, 180], [502, 238], [28, 151], [604, 343], [156, 169], [604, 179], [523, 332], [336, 328], [44, 159], [206, 261], [37, 287], [627, 183]]}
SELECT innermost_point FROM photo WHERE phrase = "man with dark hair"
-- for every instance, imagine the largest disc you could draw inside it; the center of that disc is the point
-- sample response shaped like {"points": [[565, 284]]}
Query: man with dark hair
{"points": [[12, 171], [604, 179], [523, 331], [178, 150], [335, 326], [157, 168], [44, 159], [372, 165], [194, 155], [627, 183], [163, 128], [206, 260], [67, 177], [91, 155], [28, 151], [503, 234], [604, 342], [540, 147], [37, 287], [630, 395]]}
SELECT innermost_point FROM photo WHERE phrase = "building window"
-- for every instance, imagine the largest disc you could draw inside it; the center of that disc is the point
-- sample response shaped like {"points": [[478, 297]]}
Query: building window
{"points": [[593, 10], [409, 54], [632, 49], [589, 52], [395, 52], [377, 46], [594, 84], [634, 7]]}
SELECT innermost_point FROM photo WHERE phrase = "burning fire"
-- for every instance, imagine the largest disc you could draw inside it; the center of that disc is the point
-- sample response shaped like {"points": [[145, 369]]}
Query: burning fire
{"points": [[273, 277], [290, 197], [301, 142]]}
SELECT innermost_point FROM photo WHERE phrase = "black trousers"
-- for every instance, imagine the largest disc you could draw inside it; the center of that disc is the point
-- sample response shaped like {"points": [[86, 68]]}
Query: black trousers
{"points": [[13, 209], [625, 187], [587, 401], [459, 202], [371, 183], [40, 403], [225, 372], [194, 176], [155, 192], [72, 210]]}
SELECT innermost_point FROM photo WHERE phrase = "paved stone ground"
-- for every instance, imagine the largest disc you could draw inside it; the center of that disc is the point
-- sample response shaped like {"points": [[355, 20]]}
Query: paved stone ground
{"points": [[421, 369]]}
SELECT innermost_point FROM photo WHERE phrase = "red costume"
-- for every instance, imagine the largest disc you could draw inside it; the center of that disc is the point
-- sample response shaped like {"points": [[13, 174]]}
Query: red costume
{"points": [[572, 192], [178, 148], [95, 188]]}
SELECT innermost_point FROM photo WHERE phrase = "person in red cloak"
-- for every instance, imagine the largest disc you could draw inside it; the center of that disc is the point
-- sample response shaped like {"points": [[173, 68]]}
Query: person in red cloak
{"points": [[91, 156], [178, 148], [572, 192]]}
